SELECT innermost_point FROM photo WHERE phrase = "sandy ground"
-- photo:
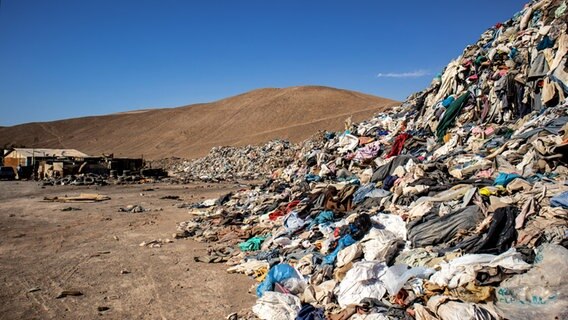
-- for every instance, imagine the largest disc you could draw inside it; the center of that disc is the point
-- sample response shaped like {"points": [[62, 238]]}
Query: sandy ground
{"points": [[96, 251]]}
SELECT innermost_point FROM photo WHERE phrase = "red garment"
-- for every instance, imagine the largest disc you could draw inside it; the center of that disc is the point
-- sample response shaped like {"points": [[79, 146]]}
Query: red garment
{"points": [[398, 145], [401, 297], [291, 205], [336, 232], [275, 215]]}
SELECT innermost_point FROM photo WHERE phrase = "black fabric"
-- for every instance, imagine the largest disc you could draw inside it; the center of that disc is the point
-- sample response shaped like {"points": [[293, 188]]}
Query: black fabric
{"points": [[440, 230], [386, 170], [389, 182], [390, 311], [359, 228], [309, 312], [498, 238]]}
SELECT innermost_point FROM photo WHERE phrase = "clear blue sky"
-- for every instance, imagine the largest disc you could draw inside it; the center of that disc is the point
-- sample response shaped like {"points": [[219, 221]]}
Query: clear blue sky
{"points": [[69, 58]]}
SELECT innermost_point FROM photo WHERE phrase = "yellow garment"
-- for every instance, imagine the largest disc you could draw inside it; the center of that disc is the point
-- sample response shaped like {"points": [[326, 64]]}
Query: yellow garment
{"points": [[260, 273], [472, 293], [492, 191]]}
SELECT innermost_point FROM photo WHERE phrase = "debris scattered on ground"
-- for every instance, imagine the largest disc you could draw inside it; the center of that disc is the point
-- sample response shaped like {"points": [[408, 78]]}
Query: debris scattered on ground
{"points": [[158, 243], [69, 293], [71, 209], [133, 209], [170, 197], [83, 197]]}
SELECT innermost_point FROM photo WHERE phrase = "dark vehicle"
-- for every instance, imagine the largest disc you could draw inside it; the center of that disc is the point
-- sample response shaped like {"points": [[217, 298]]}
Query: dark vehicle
{"points": [[7, 173]]}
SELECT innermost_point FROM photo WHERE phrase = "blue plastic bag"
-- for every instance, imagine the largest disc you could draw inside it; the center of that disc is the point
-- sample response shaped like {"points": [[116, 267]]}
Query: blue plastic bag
{"points": [[277, 273]]}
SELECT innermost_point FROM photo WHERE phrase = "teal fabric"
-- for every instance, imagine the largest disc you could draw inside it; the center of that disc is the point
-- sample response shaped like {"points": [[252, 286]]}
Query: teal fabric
{"points": [[452, 112], [252, 244], [323, 217], [503, 179]]}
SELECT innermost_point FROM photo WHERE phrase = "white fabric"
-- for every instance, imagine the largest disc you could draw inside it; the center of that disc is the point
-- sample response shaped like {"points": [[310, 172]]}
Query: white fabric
{"points": [[348, 254], [460, 271], [397, 276], [377, 244], [392, 223], [362, 281], [347, 143]]}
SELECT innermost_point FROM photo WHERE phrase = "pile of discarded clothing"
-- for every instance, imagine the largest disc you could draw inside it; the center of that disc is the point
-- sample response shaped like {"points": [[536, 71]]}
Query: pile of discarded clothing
{"points": [[231, 163], [450, 206]]}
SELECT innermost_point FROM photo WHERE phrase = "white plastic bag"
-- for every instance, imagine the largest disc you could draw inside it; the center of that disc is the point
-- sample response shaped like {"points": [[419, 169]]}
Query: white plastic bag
{"points": [[397, 276], [277, 306], [542, 292]]}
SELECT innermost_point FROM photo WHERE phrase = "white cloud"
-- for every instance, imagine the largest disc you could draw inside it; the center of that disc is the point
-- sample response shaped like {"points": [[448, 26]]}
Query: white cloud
{"points": [[412, 74]]}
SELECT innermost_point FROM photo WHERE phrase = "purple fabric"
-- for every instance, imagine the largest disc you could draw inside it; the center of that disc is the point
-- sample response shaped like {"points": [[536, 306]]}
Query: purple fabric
{"points": [[369, 151]]}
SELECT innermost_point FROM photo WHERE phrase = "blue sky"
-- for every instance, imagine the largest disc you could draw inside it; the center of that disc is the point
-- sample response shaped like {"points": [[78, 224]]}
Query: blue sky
{"points": [[68, 58]]}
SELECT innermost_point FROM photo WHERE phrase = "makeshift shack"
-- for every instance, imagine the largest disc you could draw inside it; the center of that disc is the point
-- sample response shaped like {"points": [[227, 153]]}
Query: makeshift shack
{"points": [[42, 160]]}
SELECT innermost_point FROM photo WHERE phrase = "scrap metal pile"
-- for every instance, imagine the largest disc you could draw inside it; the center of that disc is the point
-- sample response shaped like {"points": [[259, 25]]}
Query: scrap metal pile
{"points": [[145, 175], [450, 206]]}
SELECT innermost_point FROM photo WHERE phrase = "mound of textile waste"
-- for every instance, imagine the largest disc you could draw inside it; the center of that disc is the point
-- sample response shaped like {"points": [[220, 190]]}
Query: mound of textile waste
{"points": [[450, 206], [232, 163]]}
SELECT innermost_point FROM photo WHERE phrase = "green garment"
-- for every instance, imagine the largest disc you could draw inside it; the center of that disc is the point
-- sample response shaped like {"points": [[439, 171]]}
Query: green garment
{"points": [[252, 244], [561, 10], [452, 112]]}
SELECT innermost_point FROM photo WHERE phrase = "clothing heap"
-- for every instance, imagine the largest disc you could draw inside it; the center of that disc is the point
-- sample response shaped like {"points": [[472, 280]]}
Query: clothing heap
{"points": [[231, 163], [450, 206]]}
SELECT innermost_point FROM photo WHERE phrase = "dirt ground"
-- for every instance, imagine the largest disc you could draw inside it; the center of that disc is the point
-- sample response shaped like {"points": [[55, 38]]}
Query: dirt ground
{"points": [[97, 251]]}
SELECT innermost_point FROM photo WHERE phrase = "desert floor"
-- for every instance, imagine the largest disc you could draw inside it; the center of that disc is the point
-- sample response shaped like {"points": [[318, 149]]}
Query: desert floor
{"points": [[96, 250]]}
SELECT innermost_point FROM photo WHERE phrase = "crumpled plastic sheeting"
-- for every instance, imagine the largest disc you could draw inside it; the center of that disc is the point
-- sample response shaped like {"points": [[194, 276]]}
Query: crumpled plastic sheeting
{"points": [[461, 271], [277, 274], [542, 292], [446, 308], [396, 276], [277, 306]]}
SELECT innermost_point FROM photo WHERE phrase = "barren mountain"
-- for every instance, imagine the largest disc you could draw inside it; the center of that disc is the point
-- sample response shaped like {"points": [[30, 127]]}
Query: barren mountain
{"points": [[293, 113]]}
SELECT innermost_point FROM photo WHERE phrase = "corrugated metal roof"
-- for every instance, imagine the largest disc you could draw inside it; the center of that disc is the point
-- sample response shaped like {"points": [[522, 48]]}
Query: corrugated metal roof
{"points": [[42, 152]]}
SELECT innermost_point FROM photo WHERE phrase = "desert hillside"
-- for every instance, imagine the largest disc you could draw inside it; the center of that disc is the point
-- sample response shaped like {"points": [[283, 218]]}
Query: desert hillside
{"points": [[292, 113]]}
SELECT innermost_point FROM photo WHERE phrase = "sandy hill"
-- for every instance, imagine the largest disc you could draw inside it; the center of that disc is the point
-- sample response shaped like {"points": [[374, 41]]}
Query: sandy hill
{"points": [[191, 131]]}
